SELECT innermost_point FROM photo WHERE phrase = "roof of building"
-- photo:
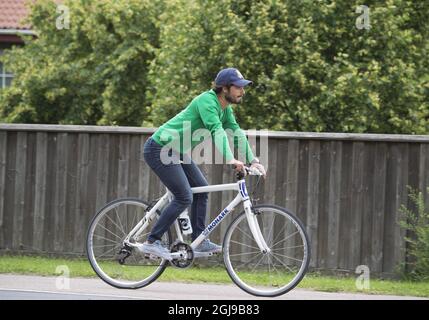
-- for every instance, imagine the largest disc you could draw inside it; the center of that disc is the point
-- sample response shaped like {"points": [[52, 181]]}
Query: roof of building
{"points": [[12, 13]]}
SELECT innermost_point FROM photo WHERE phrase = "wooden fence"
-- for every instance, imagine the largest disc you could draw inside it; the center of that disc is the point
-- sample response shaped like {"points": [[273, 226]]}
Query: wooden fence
{"points": [[346, 188]]}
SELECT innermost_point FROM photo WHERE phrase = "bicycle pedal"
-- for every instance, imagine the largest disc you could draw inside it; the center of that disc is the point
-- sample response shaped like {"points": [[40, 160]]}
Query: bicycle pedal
{"points": [[151, 256], [203, 254]]}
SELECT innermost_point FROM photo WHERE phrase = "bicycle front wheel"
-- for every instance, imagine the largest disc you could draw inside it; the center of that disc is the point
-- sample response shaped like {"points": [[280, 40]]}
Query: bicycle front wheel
{"points": [[115, 263], [267, 274]]}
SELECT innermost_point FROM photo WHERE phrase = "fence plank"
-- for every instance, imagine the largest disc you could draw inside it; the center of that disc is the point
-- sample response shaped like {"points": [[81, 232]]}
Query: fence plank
{"points": [[112, 192], [424, 172], [215, 198], [323, 214], [51, 190], [345, 206], [72, 190], [133, 176], [334, 204], [271, 179], [303, 182], [81, 194], [281, 181], [60, 195], [396, 183], [401, 199], [3, 152], [313, 198], [269, 226], [292, 166], [123, 165], [227, 196], [40, 195], [357, 205], [30, 183], [144, 172], [378, 208], [367, 205], [102, 176], [91, 182], [18, 216]]}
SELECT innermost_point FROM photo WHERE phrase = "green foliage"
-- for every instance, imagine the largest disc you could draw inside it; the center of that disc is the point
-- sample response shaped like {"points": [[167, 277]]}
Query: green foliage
{"points": [[313, 69], [416, 222], [93, 72], [140, 62]]}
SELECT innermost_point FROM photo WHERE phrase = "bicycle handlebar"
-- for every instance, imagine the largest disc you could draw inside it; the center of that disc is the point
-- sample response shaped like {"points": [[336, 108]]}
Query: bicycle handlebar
{"points": [[250, 171], [253, 171]]}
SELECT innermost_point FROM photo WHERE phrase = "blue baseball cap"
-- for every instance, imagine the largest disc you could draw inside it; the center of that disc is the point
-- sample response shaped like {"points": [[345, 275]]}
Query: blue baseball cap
{"points": [[231, 76]]}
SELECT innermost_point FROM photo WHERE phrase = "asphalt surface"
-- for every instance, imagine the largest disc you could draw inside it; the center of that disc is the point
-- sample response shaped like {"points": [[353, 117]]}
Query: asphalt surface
{"points": [[19, 287]]}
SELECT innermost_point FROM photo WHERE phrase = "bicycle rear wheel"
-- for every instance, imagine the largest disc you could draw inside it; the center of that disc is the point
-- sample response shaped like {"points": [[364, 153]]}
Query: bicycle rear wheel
{"points": [[267, 274], [115, 263]]}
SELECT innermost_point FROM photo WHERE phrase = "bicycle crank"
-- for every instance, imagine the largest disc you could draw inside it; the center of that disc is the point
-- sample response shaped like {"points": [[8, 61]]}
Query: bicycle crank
{"points": [[184, 253]]}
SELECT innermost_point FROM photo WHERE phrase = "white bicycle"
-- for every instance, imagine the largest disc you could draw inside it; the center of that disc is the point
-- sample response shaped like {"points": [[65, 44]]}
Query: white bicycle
{"points": [[265, 248]]}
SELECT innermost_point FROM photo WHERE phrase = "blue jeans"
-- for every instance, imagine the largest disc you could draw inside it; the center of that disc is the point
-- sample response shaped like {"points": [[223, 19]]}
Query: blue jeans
{"points": [[178, 178]]}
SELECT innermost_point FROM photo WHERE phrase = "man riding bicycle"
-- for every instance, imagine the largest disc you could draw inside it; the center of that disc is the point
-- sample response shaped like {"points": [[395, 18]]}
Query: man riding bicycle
{"points": [[210, 110]]}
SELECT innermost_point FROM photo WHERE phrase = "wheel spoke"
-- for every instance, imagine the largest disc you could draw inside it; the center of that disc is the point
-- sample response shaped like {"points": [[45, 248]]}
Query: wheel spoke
{"points": [[271, 229], [246, 234], [105, 253], [117, 214], [115, 224], [115, 235], [280, 233], [243, 244], [285, 238], [292, 247], [262, 257], [244, 253], [105, 243], [281, 262], [282, 255], [104, 238], [248, 262], [272, 272]]}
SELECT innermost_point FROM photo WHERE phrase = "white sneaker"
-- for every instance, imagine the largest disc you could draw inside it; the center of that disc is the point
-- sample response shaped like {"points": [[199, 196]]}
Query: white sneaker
{"points": [[156, 248], [208, 246]]}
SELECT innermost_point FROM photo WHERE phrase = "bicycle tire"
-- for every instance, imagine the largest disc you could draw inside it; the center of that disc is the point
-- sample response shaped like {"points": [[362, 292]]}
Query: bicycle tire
{"points": [[253, 275], [106, 269]]}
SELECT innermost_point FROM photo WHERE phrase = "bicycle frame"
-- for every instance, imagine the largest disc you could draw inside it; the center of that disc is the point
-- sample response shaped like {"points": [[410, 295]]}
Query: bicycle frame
{"points": [[242, 196]]}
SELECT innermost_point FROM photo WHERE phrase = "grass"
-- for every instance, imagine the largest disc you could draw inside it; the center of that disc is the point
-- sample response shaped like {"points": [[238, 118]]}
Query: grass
{"points": [[44, 266]]}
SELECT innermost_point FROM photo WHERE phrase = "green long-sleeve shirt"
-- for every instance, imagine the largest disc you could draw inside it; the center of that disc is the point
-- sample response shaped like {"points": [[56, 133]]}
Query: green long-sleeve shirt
{"points": [[204, 112]]}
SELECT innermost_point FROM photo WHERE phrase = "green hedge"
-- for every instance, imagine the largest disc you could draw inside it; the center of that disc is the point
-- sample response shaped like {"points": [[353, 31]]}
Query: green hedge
{"points": [[140, 62], [93, 72]]}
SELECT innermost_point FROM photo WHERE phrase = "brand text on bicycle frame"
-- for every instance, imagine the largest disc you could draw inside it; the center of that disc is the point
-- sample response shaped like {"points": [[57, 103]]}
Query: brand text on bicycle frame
{"points": [[215, 222]]}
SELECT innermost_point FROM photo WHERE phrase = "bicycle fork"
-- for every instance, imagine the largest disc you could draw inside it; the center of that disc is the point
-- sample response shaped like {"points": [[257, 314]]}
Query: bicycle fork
{"points": [[254, 227], [252, 219]]}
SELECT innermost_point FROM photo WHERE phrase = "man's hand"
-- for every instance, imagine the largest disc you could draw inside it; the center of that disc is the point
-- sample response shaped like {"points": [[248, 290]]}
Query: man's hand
{"points": [[239, 166], [260, 167]]}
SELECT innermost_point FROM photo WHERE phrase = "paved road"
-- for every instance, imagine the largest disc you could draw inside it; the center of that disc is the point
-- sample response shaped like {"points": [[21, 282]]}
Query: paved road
{"points": [[19, 287]]}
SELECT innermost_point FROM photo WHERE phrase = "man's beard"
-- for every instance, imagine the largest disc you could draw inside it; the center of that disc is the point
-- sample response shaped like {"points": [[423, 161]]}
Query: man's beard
{"points": [[231, 100]]}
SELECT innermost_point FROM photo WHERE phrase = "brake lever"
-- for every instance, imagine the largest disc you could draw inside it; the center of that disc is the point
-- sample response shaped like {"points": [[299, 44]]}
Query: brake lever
{"points": [[241, 174]]}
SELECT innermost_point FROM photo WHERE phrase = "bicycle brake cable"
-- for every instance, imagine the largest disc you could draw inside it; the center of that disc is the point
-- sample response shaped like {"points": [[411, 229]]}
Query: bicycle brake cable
{"points": [[255, 189]]}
